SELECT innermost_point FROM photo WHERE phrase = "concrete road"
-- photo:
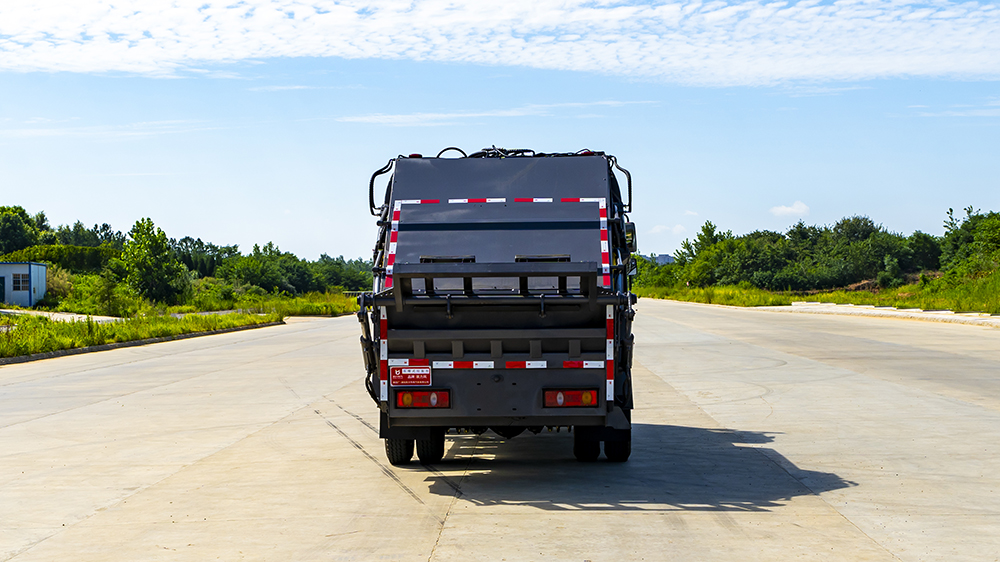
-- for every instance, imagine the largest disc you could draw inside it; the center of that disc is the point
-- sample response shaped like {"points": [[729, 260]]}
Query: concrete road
{"points": [[759, 436]]}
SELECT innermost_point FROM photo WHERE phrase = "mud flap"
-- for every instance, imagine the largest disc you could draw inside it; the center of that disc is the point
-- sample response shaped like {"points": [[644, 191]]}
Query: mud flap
{"points": [[618, 420]]}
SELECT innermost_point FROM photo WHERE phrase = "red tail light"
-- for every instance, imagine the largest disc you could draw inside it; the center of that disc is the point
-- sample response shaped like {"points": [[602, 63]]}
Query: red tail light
{"points": [[423, 399], [570, 398]]}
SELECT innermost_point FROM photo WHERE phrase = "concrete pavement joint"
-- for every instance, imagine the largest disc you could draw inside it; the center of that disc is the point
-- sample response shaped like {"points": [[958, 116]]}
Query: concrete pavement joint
{"points": [[364, 422], [385, 470], [454, 498], [781, 462]]}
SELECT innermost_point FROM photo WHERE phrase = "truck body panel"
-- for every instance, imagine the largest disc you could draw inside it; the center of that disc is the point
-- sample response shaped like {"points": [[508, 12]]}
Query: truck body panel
{"points": [[501, 297]]}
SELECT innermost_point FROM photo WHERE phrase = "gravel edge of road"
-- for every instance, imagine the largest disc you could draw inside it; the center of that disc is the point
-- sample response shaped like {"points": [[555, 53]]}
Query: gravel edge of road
{"points": [[133, 343], [945, 316]]}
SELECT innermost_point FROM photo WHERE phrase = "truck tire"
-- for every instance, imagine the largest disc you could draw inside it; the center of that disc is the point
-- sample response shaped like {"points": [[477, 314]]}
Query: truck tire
{"points": [[618, 451], [585, 450], [431, 451], [399, 451]]}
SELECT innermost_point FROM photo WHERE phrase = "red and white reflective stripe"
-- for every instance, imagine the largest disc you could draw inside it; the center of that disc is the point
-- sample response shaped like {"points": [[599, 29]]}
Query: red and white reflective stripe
{"points": [[583, 200], [383, 351], [409, 362], [492, 364], [610, 319], [583, 364], [527, 364], [397, 208], [605, 255], [602, 205], [462, 364], [390, 257]]}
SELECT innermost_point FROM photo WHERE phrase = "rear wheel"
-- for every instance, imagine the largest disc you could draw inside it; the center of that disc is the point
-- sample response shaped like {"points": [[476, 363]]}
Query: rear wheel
{"points": [[399, 451], [618, 451], [585, 450], [431, 451]]}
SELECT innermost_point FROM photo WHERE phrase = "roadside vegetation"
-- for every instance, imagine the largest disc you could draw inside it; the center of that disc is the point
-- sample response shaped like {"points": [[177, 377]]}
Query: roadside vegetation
{"points": [[854, 261], [101, 271], [160, 286], [26, 335]]}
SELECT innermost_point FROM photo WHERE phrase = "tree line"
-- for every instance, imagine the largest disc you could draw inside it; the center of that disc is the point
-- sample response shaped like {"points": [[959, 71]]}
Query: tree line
{"points": [[165, 270], [853, 250]]}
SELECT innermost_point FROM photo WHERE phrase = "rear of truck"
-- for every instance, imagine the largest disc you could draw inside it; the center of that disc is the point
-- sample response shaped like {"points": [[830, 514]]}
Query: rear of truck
{"points": [[501, 301]]}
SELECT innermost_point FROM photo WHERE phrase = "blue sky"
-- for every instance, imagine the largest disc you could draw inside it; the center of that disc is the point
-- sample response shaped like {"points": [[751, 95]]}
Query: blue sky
{"points": [[261, 121]]}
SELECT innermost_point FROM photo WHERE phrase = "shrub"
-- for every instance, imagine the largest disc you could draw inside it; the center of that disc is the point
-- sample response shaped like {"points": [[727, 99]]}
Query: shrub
{"points": [[76, 259], [58, 282]]}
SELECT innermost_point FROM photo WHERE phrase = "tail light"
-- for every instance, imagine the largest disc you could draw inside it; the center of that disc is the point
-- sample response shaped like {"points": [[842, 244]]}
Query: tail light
{"points": [[423, 399], [570, 398]]}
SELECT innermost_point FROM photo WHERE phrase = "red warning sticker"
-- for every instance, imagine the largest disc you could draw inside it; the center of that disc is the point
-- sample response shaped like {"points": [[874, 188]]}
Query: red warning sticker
{"points": [[410, 376]]}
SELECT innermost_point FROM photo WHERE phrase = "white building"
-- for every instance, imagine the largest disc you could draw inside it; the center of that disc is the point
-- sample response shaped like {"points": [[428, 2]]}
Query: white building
{"points": [[22, 284]]}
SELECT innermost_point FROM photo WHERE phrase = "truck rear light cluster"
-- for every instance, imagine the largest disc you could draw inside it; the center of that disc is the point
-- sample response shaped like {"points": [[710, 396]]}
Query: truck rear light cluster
{"points": [[423, 399], [570, 398]]}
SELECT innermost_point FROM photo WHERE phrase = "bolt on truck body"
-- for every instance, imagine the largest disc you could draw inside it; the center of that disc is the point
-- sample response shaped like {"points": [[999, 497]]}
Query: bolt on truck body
{"points": [[501, 300]]}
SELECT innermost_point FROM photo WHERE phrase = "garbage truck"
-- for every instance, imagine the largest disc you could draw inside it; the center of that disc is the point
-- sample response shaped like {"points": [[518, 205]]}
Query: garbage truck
{"points": [[501, 300]]}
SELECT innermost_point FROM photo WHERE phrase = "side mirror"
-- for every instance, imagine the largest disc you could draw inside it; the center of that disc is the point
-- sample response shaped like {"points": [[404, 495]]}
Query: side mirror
{"points": [[633, 268], [630, 242]]}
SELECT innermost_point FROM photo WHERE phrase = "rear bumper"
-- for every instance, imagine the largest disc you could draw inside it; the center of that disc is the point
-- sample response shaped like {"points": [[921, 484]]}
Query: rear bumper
{"points": [[504, 394], [481, 398]]}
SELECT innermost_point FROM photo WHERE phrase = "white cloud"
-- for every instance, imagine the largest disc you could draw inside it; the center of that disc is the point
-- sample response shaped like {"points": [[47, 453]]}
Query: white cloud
{"points": [[130, 130], [691, 213], [300, 87], [798, 209], [983, 112], [813, 91], [433, 119], [280, 88], [661, 228], [688, 41]]}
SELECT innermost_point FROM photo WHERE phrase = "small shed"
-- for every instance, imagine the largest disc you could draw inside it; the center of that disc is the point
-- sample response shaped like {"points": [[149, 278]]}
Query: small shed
{"points": [[22, 283]]}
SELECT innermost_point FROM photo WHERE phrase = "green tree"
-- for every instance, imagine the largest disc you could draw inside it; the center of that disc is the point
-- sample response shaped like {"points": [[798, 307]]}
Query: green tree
{"points": [[705, 240], [956, 244], [17, 230], [926, 251], [151, 268], [77, 235], [353, 275], [855, 229]]}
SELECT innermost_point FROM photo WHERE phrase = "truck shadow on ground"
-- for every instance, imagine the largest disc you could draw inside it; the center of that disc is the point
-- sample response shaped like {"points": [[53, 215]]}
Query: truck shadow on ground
{"points": [[672, 468]]}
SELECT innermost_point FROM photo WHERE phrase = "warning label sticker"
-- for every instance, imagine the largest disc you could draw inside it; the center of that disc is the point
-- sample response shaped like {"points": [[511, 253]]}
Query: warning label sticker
{"points": [[410, 376]]}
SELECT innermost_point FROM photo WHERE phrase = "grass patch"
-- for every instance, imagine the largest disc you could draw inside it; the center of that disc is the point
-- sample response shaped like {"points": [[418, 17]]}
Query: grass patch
{"points": [[980, 294], [974, 295], [309, 304], [26, 335], [728, 295]]}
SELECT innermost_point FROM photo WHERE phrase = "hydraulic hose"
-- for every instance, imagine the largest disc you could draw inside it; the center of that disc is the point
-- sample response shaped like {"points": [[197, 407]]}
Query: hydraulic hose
{"points": [[371, 185], [628, 176]]}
